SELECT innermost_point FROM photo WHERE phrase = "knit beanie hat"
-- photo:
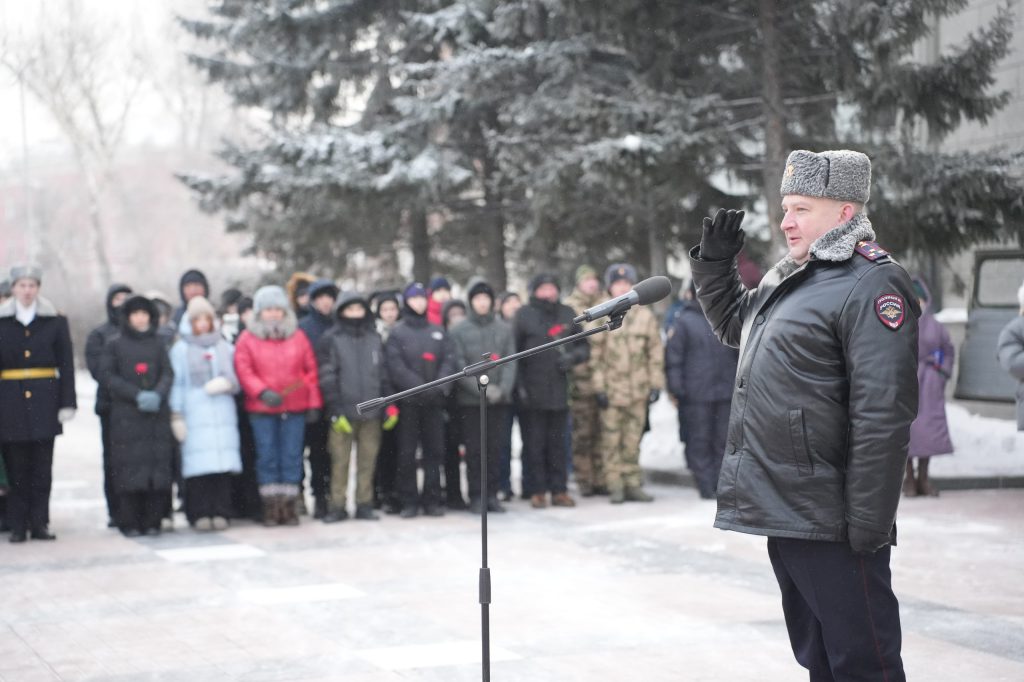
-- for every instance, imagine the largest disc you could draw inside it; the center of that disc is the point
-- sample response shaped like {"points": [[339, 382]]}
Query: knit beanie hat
{"points": [[271, 296], [413, 290], [198, 307], [584, 271], [542, 278], [479, 285], [617, 271], [843, 175], [439, 283]]}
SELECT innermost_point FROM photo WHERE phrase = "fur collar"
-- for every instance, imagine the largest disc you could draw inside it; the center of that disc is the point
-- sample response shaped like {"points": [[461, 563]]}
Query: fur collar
{"points": [[287, 327], [43, 308], [836, 245]]}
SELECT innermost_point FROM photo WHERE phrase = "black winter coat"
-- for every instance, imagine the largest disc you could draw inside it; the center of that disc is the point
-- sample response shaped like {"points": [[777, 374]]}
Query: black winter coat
{"points": [[97, 339], [698, 367], [543, 379], [478, 335], [418, 352], [352, 368], [28, 407], [141, 443], [825, 392]]}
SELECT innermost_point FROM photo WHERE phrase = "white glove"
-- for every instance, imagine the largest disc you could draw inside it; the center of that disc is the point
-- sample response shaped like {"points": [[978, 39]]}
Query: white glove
{"points": [[65, 414], [218, 386], [178, 427]]}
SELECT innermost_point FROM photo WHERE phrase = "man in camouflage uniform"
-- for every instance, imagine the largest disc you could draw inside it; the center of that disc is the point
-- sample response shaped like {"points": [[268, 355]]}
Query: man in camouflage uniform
{"points": [[587, 463], [628, 375]]}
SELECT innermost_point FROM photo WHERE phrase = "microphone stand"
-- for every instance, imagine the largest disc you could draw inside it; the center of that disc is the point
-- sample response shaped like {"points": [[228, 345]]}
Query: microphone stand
{"points": [[480, 370]]}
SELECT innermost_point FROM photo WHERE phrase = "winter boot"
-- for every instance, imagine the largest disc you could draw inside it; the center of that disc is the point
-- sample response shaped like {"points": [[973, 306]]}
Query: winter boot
{"points": [[320, 507], [539, 501], [270, 511], [562, 500], [585, 489], [290, 510], [924, 486], [634, 493], [909, 484], [365, 512], [616, 494]]}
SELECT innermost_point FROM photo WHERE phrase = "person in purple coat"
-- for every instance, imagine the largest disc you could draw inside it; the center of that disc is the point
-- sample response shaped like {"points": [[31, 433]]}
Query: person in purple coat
{"points": [[929, 433]]}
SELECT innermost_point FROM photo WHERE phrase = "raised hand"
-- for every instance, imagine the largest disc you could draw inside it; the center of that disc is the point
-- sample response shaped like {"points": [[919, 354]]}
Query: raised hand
{"points": [[723, 237]]}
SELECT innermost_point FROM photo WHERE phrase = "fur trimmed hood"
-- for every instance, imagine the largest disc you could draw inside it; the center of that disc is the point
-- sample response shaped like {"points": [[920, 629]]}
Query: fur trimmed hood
{"points": [[281, 330], [43, 308], [836, 245]]}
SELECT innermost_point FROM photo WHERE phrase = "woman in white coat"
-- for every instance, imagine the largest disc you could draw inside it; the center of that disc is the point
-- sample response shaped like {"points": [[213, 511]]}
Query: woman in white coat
{"points": [[204, 418]]}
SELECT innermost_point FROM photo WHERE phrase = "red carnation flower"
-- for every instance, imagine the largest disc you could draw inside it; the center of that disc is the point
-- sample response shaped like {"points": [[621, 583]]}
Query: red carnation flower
{"points": [[391, 410], [556, 330], [141, 368], [429, 357], [495, 356]]}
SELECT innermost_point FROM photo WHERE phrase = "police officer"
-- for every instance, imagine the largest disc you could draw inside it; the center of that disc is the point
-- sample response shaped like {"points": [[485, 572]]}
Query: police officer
{"points": [[825, 392], [37, 395]]}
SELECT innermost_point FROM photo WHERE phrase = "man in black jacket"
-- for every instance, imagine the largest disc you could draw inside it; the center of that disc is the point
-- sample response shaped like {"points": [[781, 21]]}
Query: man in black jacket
{"points": [[322, 295], [543, 390], [350, 359], [825, 393], [37, 396], [98, 338], [418, 352]]}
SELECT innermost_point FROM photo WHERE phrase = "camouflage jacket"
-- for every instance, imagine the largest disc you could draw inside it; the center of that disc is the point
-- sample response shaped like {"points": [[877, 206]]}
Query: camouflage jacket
{"points": [[630, 361], [582, 374]]}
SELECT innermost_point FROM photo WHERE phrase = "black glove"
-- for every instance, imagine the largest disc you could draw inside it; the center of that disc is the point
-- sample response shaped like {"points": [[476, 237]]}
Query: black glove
{"points": [[864, 541], [602, 400], [653, 396], [313, 416], [722, 238], [271, 398]]}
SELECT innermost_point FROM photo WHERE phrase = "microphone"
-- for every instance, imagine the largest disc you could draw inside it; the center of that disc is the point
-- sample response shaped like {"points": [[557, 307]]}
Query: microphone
{"points": [[646, 292]]}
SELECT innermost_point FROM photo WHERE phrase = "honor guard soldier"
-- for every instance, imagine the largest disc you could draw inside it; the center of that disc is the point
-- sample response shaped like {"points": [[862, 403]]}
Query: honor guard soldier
{"points": [[37, 396], [825, 393]]}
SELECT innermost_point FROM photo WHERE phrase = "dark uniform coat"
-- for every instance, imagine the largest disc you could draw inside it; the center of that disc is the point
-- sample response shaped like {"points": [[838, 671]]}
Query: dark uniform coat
{"points": [[418, 352], [142, 444], [543, 381], [28, 407], [97, 339], [826, 388]]}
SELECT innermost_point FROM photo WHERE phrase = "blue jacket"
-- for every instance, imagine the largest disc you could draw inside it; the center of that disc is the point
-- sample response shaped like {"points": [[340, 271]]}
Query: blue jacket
{"points": [[698, 367], [212, 444]]}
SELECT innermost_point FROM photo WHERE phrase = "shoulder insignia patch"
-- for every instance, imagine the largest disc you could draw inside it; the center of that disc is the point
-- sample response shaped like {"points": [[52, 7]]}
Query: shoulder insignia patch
{"points": [[891, 310], [871, 250]]}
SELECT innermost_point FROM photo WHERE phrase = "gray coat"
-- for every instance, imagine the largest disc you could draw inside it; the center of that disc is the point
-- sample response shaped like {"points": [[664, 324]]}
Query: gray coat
{"points": [[825, 392], [478, 335], [352, 368], [1011, 357]]}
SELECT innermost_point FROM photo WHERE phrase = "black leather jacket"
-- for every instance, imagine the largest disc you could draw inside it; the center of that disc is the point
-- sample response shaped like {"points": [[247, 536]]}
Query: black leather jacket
{"points": [[825, 393]]}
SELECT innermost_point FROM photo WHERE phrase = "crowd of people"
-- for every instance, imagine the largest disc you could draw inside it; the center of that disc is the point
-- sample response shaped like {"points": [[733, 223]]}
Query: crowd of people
{"points": [[217, 409]]}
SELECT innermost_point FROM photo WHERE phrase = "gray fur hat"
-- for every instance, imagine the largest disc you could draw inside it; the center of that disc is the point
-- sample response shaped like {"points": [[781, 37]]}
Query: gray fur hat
{"points": [[842, 174], [270, 296], [27, 271]]}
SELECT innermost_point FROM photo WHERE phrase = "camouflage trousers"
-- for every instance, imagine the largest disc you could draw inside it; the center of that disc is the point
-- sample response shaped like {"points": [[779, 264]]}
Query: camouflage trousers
{"points": [[587, 463], [621, 431]]}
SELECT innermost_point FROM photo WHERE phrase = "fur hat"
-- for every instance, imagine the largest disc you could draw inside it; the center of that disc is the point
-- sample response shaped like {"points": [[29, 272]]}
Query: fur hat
{"points": [[27, 271], [271, 296], [617, 271], [843, 175], [199, 306]]}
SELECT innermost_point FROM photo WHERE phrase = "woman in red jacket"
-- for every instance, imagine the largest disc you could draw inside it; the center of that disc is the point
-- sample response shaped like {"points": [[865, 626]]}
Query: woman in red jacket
{"points": [[277, 370]]}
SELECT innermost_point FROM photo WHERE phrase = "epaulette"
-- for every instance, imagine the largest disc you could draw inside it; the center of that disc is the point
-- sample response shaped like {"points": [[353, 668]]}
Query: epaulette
{"points": [[872, 251]]}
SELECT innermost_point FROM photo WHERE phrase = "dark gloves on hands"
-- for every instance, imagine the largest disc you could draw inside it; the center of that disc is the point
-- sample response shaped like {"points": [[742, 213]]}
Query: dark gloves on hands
{"points": [[864, 541], [723, 237], [271, 398], [313, 416], [602, 400], [653, 396]]}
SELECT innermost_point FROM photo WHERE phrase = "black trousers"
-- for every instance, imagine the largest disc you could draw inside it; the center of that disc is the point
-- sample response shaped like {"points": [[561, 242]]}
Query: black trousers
{"points": [[386, 467], [141, 509], [497, 416], [245, 488], [420, 426], [842, 616], [544, 458], [30, 477], [453, 438], [108, 474], [319, 459], [207, 496], [707, 426]]}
